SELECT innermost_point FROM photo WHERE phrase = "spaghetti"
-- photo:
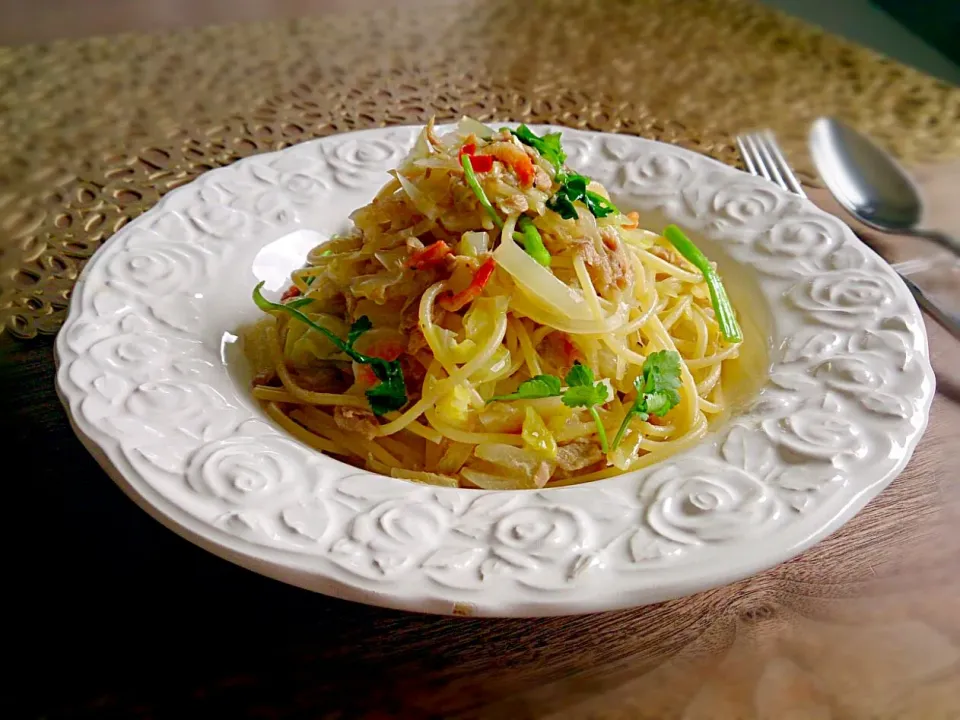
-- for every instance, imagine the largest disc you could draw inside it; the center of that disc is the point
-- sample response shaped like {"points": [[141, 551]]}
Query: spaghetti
{"points": [[493, 320]]}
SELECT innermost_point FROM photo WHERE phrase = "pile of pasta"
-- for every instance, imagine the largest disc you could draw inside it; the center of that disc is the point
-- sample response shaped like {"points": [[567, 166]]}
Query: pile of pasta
{"points": [[494, 320]]}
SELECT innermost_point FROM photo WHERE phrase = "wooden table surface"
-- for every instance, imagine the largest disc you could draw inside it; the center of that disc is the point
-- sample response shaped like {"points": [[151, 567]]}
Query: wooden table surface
{"points": [[115, 616]]}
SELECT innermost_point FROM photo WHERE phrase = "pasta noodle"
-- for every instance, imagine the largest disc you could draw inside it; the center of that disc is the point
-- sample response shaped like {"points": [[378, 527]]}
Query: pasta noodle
{"points": [[494, 320]]}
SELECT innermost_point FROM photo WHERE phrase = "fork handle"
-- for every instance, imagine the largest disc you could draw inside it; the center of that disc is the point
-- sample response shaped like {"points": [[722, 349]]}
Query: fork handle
{"points": [[950, 321]]}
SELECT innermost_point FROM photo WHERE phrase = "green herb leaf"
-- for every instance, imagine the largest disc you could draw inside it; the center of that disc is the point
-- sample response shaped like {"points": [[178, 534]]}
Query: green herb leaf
{"points": [[471, 177], [390, 393], [573, 188], [598, 204], [656, 387], [585, 395], [659, 403], [582, 392], [548, 146], [539, 386], [358, 328], [661, 373], [579, 375], [726, 317]]}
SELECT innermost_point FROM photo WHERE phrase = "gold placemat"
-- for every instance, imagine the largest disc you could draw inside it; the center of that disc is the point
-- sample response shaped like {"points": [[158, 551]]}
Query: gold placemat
{"points": [[93, 132]]}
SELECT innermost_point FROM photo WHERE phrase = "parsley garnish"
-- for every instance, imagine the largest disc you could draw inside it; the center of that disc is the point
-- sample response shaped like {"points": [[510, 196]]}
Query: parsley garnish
{"points": [[573, 187], [656, 389], [581, 392], [548, 146], [539, 386], [390, 393]]}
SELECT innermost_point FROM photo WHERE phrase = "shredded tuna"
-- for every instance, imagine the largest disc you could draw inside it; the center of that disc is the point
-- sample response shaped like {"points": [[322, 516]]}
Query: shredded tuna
{"points": [[578, 454], [264, 378], [514, 205], [559, 351], [410, 326], [541, 179], [542, 476], [669, 255], [325, 379], [356, 420], [608, 266]]}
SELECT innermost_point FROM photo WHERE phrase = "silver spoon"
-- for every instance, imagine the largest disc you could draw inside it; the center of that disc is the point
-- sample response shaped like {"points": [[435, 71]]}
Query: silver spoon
{"points": [[873, 188], [869, 183]]}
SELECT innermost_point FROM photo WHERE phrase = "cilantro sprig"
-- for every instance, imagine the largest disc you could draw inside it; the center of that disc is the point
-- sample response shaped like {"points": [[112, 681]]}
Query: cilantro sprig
{"points": [[573, 187], [656, 389], [581, 391], [539, 386], [548, 146], [387, 395]]}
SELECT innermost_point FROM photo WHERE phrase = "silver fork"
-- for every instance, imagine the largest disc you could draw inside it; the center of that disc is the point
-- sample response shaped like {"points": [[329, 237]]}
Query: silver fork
{"points": [[763, 157]]}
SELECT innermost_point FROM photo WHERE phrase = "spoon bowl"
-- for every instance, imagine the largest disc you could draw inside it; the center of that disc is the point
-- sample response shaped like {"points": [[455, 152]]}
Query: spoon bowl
{"points": [[863, 178], [868, 182]]}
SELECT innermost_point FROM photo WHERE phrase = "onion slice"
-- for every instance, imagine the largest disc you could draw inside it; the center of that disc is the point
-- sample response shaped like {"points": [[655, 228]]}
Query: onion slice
{"points": [[538, 282]]}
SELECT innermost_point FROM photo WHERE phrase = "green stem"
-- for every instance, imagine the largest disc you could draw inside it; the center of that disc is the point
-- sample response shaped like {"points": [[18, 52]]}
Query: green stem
{"points": [[390, 394], [471, 178], [532, 242], [601, 431], [726, 317], [623, 427]]}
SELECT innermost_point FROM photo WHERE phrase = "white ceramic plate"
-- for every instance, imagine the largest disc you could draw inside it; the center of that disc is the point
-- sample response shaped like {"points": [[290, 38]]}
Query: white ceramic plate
{"points": [[156, 391]]}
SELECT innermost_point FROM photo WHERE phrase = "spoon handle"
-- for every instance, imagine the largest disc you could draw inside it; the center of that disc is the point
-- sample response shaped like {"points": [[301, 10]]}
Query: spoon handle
{"points": [[949, 320], [940, 238]]}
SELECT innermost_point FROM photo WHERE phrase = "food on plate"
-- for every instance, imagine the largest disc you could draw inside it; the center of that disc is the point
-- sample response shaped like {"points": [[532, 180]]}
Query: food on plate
{"points": [[493, 320]]}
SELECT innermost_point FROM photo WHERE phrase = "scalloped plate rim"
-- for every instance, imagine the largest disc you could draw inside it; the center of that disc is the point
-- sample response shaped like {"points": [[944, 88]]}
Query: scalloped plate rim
{"points": [[295, 568]]}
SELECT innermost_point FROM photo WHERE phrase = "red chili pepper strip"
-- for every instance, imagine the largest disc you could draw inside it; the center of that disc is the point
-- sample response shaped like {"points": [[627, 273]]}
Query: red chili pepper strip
{"points": [[429, 256], [480, 163], [292, 292], [453, 302]]}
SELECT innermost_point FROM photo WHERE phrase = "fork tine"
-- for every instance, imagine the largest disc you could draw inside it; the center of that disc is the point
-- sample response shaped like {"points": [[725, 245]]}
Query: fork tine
{"points": [[789, 177], [747, 156], [771, 165], [751, 142]]}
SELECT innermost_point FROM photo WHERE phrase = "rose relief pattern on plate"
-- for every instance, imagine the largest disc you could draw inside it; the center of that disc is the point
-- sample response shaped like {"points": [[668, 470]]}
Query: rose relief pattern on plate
{"points": [[148, 389]]}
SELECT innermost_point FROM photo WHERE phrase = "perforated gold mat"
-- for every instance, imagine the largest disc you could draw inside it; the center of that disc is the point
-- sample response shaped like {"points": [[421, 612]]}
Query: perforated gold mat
{"points": [[93, 132]]}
